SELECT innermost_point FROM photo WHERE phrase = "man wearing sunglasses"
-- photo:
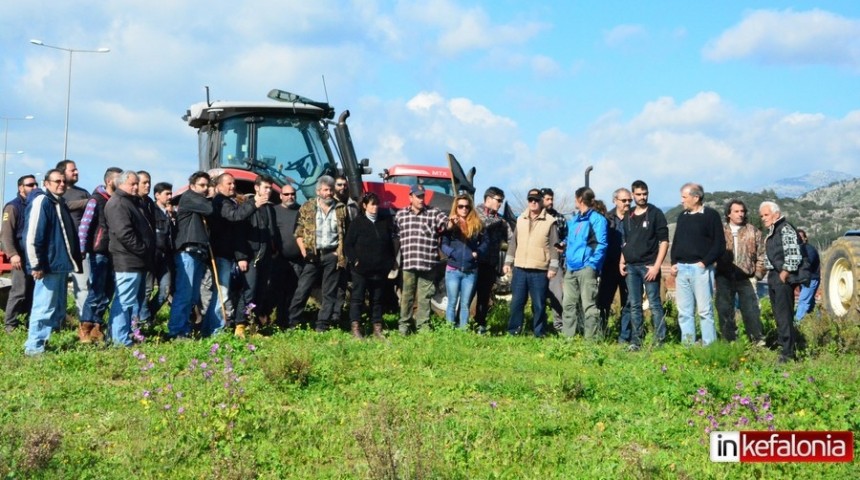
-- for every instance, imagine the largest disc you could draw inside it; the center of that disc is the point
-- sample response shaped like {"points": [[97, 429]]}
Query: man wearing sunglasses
{"points": [[533, 258], [52, 253], [611, 279], [496, 232], [12, 236], [290, 262]]}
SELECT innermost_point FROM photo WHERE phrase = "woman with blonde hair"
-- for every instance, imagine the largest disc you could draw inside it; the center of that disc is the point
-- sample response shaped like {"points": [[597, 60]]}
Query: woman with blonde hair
{"points": [[461, 243]]}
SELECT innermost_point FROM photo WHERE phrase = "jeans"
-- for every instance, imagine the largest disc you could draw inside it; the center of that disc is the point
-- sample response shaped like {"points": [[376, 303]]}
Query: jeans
{"points": [[580, 304], [220, 309], [727, 288], [80, 286], [535, 284], [125, 308], [418, 288], [189, 275], [102, 284], [782, 300], [459, 285], [806, 301], [49, 310], [694, 290], [635, 283], [164, 280]]}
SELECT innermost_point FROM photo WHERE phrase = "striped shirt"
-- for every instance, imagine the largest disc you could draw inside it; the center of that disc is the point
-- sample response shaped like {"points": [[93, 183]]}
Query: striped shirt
{"points": [[419, 237]]}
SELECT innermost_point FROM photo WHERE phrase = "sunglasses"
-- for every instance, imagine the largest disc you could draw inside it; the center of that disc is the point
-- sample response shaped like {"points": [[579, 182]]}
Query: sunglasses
{"points": [[498, 199], [28, 184], [466, 206], [625, 200], [288, 194], [534, 200]]}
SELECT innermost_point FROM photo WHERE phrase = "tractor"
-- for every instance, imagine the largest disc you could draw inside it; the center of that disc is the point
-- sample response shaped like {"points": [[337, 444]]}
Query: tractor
{"points": [[840, 274]]}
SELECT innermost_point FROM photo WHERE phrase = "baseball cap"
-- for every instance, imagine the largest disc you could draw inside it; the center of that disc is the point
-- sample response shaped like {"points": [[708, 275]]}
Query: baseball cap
{"points": [[417, 190], [534, 194]]}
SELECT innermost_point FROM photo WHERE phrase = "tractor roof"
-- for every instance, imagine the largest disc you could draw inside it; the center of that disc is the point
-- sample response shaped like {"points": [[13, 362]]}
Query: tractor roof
{"points": [[202, 113]]}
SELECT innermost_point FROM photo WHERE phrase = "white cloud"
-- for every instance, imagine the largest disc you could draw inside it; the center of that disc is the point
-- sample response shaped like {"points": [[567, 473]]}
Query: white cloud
{"points": [[623, 34], [812, 37]]}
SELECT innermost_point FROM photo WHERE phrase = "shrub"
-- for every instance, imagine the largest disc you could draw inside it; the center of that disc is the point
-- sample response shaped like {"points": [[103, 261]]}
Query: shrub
{"points": [[284, 368]]}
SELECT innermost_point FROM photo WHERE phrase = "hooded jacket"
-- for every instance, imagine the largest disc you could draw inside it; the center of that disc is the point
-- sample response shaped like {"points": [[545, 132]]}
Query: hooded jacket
{"points": [[49, 235], [586, 241]]}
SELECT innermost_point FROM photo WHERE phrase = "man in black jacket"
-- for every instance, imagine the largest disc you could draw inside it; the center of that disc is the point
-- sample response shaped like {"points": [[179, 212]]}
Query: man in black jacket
{"points": [[610, 278], [228, 222], [132, 249], [290, 262], [12, 235], [641, 260], [258, 248], [782, 260], [76, 199], [191, 247], [165, 232]]}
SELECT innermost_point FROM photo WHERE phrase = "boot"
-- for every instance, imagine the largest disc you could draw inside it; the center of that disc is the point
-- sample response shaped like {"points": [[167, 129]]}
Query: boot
{"points": [[377, 331], [85, 332], [356, 330], [96, 334], [240, 331]]}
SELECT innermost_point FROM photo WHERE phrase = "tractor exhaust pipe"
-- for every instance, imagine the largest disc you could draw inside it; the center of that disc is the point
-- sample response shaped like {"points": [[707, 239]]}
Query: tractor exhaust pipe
{"points": [[588, 174]]}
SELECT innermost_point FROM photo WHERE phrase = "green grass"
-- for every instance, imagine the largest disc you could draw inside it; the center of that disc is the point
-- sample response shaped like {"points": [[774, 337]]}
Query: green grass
{"points": [[448, 404]]}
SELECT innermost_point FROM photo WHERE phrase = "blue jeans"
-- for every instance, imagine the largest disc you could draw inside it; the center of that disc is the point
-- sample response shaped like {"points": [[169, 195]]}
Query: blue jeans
{"points": [[215, 320], [534, 283], [101, 289], [125, 308], [189, 275], [49, 310], [806, 301], [635, 283], [459, 286], [694, 290]]}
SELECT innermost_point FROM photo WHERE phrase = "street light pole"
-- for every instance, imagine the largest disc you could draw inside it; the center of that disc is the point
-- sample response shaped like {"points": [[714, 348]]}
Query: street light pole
{"points": [[71, 51], [6, 152]]}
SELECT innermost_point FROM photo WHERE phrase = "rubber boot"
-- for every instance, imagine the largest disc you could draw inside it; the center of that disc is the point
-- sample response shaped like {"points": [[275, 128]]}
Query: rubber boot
{"points": [[85, 331], [377, 331], [96, 334], [356, 330], [240, 331]]}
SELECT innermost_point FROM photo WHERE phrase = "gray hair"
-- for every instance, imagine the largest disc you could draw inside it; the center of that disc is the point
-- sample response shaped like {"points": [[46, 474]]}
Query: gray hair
{"points": [[694, 190], [774, 208], [615, 193], [325, 180], [123, 177]]}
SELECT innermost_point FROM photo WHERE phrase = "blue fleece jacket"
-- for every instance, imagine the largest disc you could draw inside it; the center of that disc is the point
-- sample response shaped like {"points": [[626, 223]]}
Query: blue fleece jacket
{"points": [[586, 241]]}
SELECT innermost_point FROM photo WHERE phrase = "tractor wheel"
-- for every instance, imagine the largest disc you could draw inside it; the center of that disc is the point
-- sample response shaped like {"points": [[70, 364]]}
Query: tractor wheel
{"points": [[840, 277]]}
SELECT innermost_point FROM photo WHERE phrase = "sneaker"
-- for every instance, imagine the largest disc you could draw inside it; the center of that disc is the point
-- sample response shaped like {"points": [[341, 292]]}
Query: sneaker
{"points": [[761, 343], [240, 331], [633, 347]]}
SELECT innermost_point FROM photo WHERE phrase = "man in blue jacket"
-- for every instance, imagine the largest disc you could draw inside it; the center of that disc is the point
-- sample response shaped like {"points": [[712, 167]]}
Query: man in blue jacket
{"points": [[584, 255], [52, 253]]}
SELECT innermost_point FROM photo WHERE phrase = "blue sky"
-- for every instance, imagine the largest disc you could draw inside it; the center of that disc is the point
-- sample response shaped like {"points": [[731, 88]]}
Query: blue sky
{"points": [[730, 94]]}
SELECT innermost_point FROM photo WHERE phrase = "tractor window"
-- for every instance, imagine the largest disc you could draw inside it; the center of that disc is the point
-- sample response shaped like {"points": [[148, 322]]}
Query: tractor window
{"points": [[290, 150]]}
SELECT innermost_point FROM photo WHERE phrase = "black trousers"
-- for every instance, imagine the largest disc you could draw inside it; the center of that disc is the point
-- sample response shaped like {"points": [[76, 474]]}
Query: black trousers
{"points": [[20, 298], [324, 269], [254, 289], [285, 280], [373, 286], [487, 275], [782, 301]]}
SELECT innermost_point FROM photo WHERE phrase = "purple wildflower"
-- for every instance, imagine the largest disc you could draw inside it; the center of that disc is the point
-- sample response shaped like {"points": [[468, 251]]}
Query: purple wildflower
{"points": [[214, 349], [167, 407], [249, 309], [811, 379], [493, 404], [702, 392], [745, 401], [664, 368], [146, 394], [161, 359], [181, 410], [251, 346]]}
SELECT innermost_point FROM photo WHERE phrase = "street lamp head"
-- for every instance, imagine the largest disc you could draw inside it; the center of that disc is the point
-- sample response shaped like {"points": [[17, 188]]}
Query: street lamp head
{"points": [[29, 117], [36, 42], [103, 50]]}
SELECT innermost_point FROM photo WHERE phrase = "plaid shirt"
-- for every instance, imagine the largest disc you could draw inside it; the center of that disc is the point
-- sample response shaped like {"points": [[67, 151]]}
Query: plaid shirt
{"points": [[419, 237]]}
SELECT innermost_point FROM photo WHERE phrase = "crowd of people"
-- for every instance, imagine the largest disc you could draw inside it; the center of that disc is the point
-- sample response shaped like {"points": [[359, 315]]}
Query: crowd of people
{"points": [[243, 261]]}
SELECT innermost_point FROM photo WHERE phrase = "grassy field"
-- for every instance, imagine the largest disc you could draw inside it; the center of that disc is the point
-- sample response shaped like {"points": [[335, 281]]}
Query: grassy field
{"points": [[447, 404]]}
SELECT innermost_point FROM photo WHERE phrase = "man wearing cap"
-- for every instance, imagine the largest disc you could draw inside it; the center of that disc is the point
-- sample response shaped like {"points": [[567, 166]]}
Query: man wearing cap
{"points": [[418, 227], [534, 260], [496, 231]]}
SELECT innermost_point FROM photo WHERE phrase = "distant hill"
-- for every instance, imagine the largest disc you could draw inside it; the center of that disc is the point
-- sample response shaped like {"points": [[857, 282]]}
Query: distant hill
{"points": [[825, 213], [796, 186]]}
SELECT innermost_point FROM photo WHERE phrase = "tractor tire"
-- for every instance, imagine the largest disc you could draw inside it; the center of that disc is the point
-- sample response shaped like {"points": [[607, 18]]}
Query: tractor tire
{"points": [[840, 277]]}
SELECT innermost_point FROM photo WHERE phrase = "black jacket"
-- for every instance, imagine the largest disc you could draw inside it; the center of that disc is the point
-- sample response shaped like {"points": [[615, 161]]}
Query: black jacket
{"points": [[261, 235], [369, 246], [193, 208], [229, 219], [165, 232], [285, 220], [132, 238], [644, 235]]}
